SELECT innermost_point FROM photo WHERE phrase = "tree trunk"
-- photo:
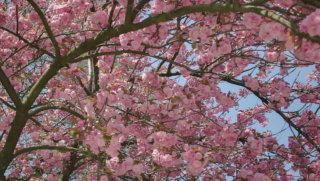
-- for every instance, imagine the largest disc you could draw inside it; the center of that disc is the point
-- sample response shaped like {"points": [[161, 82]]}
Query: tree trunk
{"points": [[6, 155]]}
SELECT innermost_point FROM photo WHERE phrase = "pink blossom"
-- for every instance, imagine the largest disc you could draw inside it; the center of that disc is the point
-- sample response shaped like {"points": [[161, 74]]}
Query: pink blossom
{"points": [[261, 176], [137, 169], [251, 20], [162, 138], [99, 18], [311, 23], [252, 83], [271, 56]]}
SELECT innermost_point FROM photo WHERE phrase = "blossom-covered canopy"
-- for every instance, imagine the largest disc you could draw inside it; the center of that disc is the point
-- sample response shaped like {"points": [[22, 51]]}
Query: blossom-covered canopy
{"points": [[132, 89]]}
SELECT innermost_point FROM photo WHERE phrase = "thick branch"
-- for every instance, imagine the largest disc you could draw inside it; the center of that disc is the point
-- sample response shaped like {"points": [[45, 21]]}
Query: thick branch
{"points": [[46, 26], [9, 89], [40, 84], [96, 75], [49, 147], [111, 14], [69, 167], [258, 2], [6, 154], [48, 107], [290, 25], [45, 147], [312, 2], [129, 13], [91, 44]]}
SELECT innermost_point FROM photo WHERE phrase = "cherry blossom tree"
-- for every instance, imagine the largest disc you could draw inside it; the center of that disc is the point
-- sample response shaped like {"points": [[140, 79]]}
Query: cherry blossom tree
{"points": [[130, 89]]}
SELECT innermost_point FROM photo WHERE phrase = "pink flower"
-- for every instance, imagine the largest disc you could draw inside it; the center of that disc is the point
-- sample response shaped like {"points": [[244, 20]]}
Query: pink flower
{"points": [[112, 163], [104, 178], [90, 109], [99, 18], [164, 139], [95, 141], [114, 146], [160, 6], [255, 146], [147, 76], [137, 169], [244, 173], [189, 155], [195, 167], [252, 83], [271, 56], [285, 3], [251, 20], [168, 91], [261, 177], [165, 160], [272, 30], [128, 163], [311, 24]]}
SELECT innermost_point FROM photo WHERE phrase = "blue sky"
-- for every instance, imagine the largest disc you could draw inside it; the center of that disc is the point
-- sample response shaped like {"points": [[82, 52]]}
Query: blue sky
{"points": [[276, 123]]}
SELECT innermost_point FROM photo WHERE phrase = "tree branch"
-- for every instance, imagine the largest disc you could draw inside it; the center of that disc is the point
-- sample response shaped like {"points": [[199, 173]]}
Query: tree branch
{"points": [[40, 84], [311, 2], [45, 147], [88, 93], [111, 14], [46, 26], [58, 148], [48, 107], [265, 101], [9, 89], [129, 13], [258, 2], [290, 25], [38, 124], [7, 104], [105, 35], [139, 6], [27, 42], [69, 167]]}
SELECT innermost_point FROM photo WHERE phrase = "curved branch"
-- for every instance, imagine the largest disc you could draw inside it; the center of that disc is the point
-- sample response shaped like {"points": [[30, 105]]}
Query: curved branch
{"points": [[46, 26], [107, 34], [40, 84], [58, 148], [48, 107], [290, 25], [45, 147], [38, 124], [9, 89]]}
